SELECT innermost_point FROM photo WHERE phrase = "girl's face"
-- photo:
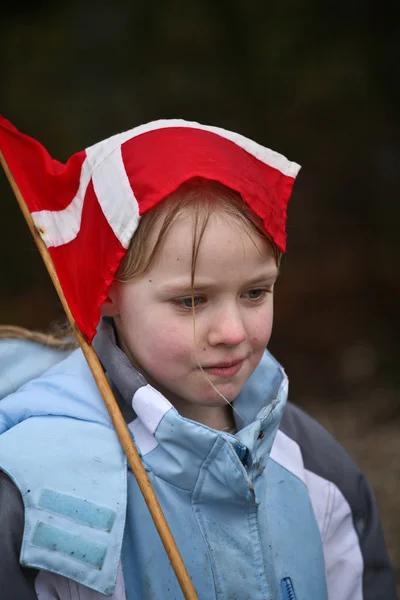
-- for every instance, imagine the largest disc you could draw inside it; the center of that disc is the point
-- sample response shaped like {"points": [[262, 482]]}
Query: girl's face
{"points": [[235, 275]]}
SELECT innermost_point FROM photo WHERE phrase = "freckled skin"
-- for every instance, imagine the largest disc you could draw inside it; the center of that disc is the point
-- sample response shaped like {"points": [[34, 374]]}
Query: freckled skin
{"points": [[158, 335]]}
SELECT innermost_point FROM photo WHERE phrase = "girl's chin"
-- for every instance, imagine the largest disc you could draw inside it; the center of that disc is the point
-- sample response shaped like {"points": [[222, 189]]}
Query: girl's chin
{"points": [[203, 394], [215, 400]]}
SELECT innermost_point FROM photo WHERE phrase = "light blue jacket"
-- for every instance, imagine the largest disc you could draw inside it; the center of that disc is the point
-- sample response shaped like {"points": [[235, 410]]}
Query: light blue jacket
{"points": [[244, 524]]}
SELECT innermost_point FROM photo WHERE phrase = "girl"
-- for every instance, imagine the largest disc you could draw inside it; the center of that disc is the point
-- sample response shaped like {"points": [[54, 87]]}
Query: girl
{"points": [[262, 502]]}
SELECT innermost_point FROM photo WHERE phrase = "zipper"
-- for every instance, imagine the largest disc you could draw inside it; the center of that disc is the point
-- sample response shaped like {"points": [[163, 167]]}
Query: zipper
{"points": [[287, 589]]}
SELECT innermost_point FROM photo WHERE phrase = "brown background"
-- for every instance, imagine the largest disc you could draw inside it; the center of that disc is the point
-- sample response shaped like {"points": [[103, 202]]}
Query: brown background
{"points": [[318, 82]]}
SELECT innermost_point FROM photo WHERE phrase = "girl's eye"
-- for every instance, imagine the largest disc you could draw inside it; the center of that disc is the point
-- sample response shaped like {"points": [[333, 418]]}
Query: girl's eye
{"points": [[257, 294], [188, 304]]}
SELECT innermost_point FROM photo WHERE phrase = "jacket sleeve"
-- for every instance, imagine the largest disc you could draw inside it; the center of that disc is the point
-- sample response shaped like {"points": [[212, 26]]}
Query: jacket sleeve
{"points": [[357, 562], [15, 581]]}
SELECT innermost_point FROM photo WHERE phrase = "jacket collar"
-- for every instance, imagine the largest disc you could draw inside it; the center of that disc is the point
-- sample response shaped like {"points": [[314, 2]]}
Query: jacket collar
{"points": [[155, 424]]}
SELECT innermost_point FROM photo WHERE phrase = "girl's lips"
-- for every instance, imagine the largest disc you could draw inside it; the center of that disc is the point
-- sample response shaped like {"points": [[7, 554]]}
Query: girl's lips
{"points": [[224, 371]]}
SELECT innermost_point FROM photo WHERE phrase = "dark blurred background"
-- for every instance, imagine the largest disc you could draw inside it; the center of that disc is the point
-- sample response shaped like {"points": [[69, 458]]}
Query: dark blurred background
{"points": [[316, 81]]}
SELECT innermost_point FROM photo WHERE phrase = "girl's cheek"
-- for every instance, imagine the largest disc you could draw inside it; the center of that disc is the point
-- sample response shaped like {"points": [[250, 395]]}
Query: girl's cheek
{"points": [[166, 345]]}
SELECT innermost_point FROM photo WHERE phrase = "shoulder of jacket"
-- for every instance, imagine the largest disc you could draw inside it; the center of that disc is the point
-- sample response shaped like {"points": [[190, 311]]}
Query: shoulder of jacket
{"points": [[321, 453], [22, 361]]}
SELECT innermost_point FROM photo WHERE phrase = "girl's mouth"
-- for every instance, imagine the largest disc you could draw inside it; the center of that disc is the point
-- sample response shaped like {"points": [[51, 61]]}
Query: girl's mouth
{"points": [[224, 371]]}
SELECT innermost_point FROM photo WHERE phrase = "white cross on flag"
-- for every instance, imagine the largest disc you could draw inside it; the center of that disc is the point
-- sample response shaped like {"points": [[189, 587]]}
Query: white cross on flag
{"points": [[88, 209]]}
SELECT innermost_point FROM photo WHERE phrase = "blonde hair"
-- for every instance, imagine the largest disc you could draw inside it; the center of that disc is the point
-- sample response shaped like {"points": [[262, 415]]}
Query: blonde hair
{"points": [[62, 338], [203, 197]]}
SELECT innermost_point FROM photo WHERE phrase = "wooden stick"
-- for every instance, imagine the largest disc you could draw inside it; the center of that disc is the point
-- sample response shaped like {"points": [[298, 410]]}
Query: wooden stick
{"points": [[112, 408]]}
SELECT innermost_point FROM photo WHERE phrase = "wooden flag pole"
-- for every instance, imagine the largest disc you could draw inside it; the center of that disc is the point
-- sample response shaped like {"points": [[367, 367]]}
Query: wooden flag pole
{"points": [[112, 408]]}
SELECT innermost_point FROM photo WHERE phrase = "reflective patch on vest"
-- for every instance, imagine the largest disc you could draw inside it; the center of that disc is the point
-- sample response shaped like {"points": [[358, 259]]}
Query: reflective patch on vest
{"points": [[77, 509], [72, 545]]}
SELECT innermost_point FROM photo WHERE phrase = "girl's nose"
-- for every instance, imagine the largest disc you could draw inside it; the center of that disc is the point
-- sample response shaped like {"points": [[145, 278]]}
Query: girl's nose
{"points": [[227, 328]]}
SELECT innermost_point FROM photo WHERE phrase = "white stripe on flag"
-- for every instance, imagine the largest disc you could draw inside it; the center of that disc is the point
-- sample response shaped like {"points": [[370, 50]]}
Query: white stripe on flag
{"points": [[115, 196], [113, 192], [58, 227]]}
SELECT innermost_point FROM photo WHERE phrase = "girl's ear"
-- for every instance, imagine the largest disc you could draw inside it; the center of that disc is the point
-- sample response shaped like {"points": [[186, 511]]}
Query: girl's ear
{"points": [[109, 307]]}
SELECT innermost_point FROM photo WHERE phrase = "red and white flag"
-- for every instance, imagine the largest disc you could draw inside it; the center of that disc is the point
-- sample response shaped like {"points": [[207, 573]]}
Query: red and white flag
{"points": [[88, 209]]}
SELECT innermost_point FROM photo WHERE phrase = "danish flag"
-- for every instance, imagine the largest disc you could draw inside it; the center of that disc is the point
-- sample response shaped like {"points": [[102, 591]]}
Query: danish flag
{"points": [[88, 209]]}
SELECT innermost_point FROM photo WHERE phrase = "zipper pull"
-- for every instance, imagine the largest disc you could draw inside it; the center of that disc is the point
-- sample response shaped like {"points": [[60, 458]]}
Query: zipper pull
{"points": [[287, 589]]}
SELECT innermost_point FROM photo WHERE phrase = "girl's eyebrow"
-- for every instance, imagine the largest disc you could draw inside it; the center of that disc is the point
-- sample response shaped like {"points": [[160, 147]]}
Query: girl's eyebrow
{"points": [[270, 276], [179, 288]]}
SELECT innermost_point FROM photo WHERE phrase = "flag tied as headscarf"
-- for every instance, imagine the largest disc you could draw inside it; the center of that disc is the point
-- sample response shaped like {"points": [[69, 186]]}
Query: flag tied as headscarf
{"points": [[88, 209]]}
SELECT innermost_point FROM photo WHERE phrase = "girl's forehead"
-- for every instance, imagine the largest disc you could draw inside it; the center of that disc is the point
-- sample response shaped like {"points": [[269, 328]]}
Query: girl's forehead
{"points": [[224, 243]]}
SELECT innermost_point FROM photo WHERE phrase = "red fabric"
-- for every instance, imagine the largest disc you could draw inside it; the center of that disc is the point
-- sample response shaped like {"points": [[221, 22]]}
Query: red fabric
{"points": [[45, 183], [156, 163], [159, 161], [87, 265]]}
